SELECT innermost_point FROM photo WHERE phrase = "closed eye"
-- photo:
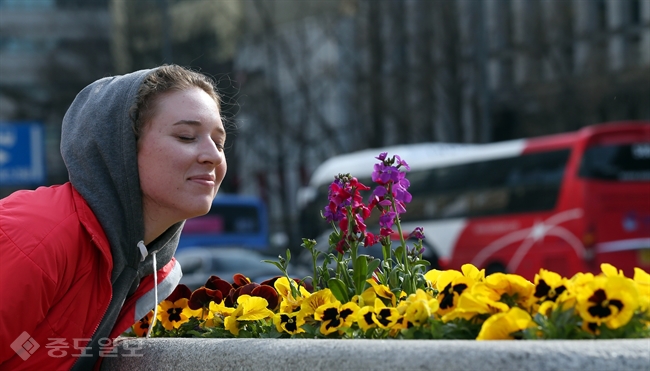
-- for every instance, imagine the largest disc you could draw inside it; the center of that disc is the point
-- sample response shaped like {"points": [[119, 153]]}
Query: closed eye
{"points": [[219, 142]]}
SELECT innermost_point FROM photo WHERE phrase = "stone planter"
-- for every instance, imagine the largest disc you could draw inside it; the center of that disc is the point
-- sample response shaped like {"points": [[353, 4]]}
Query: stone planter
{"points": [[390, 355]]}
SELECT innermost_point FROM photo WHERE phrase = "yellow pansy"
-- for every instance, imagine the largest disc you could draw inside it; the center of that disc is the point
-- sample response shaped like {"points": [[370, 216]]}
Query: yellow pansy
{"points": [[417, 308], [450, 285], [219, 312], [333, 316], [249, 308], [642, 280], [365, 317], [315, 300], [610, 300], [513, 289], [173, 315], [289, 303], [610, 270], [289, 322], [502, 326], [141, 327], [382, 291], [432, 277], [383, 316], [479, 300], [470, 271], [548, 287]]}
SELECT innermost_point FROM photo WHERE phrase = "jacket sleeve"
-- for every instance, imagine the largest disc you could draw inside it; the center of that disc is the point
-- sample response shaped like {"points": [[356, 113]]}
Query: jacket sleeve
{"points": [[26, 293]]}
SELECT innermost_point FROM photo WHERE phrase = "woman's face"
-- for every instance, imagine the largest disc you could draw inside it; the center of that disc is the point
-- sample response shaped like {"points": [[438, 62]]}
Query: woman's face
{"points": [[180, 156]]}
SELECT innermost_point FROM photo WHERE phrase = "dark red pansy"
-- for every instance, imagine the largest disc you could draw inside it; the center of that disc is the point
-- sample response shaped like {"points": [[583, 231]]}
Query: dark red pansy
{"points": [[211, 281], [180, 292], [268, 293], [240, 280], [216, 283], [246, 289], [270, 281], [239, 291], [202, 297]]}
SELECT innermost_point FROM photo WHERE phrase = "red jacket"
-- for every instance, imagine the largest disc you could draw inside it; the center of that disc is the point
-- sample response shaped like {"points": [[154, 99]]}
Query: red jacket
{"points": [[55, 279]]}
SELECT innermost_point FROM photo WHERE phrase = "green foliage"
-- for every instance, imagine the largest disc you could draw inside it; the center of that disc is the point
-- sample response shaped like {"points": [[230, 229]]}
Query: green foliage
{"points": [[561, 324]]}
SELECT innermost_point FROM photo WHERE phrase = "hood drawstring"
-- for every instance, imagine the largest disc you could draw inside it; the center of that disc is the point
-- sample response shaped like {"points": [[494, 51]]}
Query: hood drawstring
{"points": [[144, 252]]}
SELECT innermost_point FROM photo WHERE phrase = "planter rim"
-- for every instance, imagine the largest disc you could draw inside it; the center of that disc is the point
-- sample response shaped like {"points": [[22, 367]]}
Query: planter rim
{"points": [[368, 354]]}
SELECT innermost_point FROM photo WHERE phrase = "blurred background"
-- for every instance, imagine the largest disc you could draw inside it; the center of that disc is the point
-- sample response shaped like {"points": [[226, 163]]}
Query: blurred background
{"points": [[306, 80]]}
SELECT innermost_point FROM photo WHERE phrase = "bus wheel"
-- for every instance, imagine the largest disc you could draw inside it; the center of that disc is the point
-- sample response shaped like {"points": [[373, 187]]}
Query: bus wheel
{"points": [[495, 267]]}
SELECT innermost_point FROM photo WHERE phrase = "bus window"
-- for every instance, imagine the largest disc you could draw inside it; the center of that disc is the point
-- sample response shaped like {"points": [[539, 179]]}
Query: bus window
{"points": [[526, 183], [627, 162], [534, 181]]}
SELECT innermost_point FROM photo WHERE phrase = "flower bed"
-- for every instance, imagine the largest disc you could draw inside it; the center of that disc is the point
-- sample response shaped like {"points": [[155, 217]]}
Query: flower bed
{"points": [[353, 296]]}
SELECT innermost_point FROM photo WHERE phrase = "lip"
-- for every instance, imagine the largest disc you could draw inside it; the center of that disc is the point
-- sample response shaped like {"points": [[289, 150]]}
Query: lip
{"points": [[205, 179]]}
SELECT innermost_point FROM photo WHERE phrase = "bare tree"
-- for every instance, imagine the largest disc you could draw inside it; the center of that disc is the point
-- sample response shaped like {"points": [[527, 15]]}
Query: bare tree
{"points": [[292, 110]]}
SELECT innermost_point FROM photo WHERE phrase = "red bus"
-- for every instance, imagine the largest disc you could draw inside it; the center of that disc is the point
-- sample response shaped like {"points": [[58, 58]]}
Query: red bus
{"points": [[565, 202]]}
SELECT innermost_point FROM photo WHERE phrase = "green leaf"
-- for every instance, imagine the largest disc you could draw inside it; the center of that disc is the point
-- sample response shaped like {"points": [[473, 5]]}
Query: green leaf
{"points": [[274, 263], [385, 251], [394, 281], [419, 262], [339, 289], [399, 253], [360, 273], [372, 266]]}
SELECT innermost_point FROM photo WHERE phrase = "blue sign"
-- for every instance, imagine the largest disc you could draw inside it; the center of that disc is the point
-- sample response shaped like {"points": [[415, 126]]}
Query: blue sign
{"points": [[22, 153]]}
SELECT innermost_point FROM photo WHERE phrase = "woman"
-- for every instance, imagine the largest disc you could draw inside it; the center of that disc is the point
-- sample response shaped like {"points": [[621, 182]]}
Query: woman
{"points": [[144, 152]]}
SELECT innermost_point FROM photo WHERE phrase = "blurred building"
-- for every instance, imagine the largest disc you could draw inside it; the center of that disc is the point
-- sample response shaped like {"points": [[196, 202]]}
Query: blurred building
{"points": [[49, 50], [201, 34], [558, 65]]}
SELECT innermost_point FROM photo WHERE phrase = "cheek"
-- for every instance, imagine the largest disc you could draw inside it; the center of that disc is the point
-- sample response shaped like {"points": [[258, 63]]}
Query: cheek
{"points": [[147, 174], [151, 163], [220, 171], [224, 167]]}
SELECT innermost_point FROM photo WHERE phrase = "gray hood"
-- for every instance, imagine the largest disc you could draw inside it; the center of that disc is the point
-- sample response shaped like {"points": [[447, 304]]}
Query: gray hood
{"points": [[98, 146]]}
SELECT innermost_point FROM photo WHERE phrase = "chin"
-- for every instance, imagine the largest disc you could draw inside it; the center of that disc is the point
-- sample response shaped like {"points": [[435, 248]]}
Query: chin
{"points": [[203, 211], [199, 210]]}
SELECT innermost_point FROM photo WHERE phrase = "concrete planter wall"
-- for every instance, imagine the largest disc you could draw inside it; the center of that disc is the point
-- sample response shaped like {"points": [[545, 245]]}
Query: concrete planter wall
{"points": [[393, 355]]}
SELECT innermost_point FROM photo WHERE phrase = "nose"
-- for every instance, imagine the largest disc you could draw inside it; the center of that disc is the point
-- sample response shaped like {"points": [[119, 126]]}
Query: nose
{"points": [[210, 153]]}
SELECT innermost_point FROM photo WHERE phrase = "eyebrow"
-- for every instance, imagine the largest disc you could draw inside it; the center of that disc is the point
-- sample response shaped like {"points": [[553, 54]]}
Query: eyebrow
{"points": [[198, 123]]}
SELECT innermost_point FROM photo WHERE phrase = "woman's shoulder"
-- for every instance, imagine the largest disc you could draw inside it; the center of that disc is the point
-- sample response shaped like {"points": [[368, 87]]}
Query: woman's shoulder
{"points": [[52, 202], [28, 217]]}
